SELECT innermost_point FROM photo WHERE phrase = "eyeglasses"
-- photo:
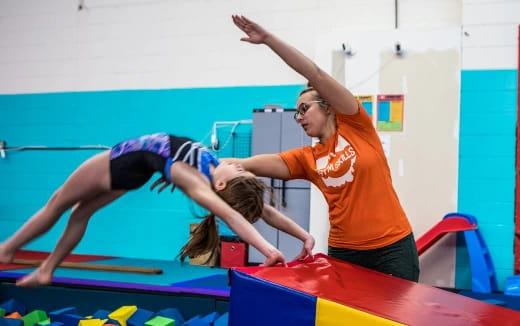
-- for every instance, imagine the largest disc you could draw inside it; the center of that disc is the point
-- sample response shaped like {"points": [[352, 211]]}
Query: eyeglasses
{"points": [[303, 108]]}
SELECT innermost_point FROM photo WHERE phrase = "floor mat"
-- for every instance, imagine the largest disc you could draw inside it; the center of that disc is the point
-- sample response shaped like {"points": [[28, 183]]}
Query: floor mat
{"points": [[173, 272], [220, 282], [40, 255], [507, 301]]}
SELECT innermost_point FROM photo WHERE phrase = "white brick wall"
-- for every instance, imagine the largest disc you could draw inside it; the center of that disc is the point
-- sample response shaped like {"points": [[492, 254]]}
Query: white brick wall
{"points": [[49, 46], [490, 34]]}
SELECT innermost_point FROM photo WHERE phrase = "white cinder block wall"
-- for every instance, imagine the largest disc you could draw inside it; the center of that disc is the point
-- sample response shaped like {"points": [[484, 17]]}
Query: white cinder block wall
{"points": [[490, 29], [50, 46]]}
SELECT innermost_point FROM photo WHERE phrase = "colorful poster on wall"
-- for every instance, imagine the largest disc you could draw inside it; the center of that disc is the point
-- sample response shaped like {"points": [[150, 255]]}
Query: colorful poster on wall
{"points": [[368, 103], [390, 112]]}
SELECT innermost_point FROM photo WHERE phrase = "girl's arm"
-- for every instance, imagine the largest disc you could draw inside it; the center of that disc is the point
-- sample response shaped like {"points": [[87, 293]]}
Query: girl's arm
{"points": [[277, 220], [195, 186]]}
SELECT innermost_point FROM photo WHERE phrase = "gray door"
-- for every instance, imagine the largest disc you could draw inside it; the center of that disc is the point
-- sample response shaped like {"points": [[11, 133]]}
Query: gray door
{"points": [[295, 194], [274, 132], [265, 140]]}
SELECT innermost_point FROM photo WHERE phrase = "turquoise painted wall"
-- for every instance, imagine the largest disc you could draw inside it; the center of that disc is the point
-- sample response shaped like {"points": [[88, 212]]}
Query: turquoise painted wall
{"points": [[141, 224], [487, 165]]}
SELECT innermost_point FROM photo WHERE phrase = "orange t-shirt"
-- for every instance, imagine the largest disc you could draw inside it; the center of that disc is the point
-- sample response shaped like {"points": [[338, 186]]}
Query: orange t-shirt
{"points": [[353, 174]]}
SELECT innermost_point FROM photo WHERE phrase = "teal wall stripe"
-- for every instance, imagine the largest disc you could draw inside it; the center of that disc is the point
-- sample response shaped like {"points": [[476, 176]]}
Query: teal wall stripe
{"points": [[487, 150], [141, 224]]}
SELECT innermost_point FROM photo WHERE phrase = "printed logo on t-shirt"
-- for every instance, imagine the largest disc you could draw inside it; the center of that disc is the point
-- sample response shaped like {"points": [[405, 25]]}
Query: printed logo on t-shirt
{"points": [[337, 168]]}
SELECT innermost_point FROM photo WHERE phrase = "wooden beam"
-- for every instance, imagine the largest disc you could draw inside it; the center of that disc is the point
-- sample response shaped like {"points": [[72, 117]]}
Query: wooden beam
{"points": [[96, 267]]}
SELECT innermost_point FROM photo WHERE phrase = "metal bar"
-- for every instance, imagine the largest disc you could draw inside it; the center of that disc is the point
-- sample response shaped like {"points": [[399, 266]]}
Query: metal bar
{"points": [[43, 148]]}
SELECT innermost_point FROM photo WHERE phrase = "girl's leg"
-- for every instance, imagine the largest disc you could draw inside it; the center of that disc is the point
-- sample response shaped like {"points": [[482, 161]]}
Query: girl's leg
{"points": [[90, 178], [73, 233]]}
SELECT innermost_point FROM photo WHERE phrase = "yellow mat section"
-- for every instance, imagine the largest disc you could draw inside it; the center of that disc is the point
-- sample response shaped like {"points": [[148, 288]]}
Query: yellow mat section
{"points": [[330, 313]]}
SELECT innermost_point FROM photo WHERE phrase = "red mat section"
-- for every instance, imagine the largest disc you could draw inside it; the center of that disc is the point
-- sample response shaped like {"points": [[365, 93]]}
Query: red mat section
{"points": [[40, 255], [382, 295]]}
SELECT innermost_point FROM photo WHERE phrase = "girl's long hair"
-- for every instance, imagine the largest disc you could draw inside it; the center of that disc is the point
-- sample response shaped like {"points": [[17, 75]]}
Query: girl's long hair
{"points": [[243, 194]]}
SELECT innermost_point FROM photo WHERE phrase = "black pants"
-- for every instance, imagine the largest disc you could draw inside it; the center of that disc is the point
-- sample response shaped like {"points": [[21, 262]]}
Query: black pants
{"points": [[398, 259]]}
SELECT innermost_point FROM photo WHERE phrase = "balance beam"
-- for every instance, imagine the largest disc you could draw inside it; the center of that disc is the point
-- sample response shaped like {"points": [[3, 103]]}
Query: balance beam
{"points": [[95, 267]]}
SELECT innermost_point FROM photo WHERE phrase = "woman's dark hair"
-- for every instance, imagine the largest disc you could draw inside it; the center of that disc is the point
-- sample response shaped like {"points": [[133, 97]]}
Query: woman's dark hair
{"points": [[243, 194]]}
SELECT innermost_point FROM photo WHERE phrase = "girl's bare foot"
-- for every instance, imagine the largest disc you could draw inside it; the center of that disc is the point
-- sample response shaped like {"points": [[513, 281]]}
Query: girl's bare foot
{"points": [[35, 279], [6, 257]]}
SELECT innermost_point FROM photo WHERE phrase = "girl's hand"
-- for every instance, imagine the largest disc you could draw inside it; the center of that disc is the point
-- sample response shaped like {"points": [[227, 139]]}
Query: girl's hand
{"points": [[308, 245], [256, 34], [275, 257]]}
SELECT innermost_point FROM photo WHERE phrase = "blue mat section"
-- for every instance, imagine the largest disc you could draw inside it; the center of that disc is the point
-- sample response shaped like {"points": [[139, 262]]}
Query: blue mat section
{"points": [[173, 271], [251, 297], [506, 301], [218, 281]]}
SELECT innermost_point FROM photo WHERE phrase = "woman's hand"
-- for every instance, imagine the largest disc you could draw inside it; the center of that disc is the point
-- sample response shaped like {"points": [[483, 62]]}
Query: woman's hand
{"points": [[256, 34]]}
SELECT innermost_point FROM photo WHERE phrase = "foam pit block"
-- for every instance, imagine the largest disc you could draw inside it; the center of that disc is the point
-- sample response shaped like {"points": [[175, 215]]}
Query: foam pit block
{"points": [[141, 316], [56, 315], [34, 317], [210, 318], [196, 321], [92, 322], [14, 315], [71, 319], [122, 314], [160, 321], [10, 322], [222, 320], [172, 313], [12, 305], [101, 314], [53, 323]]}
